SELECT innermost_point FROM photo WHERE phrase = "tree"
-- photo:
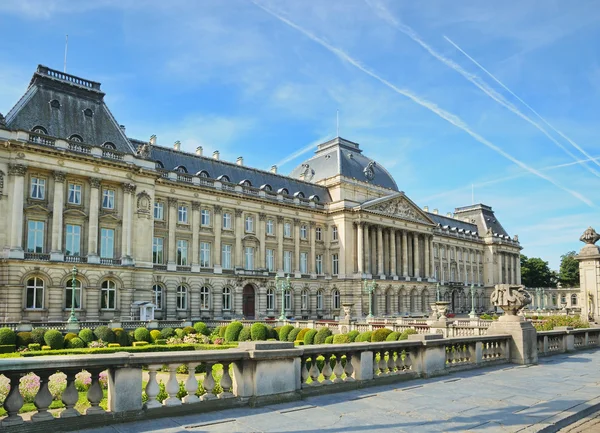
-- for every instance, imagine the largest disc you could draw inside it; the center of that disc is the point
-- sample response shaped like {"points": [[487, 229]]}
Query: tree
{"points": [[569, 270], [536, 273]]}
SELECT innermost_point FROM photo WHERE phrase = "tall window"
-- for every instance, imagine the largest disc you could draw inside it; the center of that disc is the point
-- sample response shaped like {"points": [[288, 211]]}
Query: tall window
{"points": [[205, 217], [319, 264], [303, 263], [182, 252], [69, 294], [108, 296], [182, 296], [319, 300], [249, 224], [270, 227], [35, 294], [73, 240], [204, 255], [159, 210], [108, 198], [334, 233], [74, 195], [204, 298], [335, 299], [35, 236], [303, 232], [334, 264], [107, 243], [157, 251], [304, 299], [182, 215], [573, 299], [288, 300], [249, 258], [287, 230], [157, 293], [287, 261], [38, 188], [270, 260], [227, 221], [319, 234], [226, 256], [270, 299], [227, 298]]}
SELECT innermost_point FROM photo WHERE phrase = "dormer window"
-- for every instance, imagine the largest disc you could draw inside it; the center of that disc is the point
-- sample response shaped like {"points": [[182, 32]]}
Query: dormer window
{"points": [[109, 145], [39, 130], [88, 112], [203, 173], [266, 187], [159, 164], [283, 191], [245, 182], [76, 138], [223, 178], [55, 104], [299, 195], [181, 169], [314, 198]]}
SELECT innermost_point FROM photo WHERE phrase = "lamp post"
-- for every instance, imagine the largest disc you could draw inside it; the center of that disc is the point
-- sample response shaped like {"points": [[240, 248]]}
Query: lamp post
{"points": [[282, 286], [538, 293], [472, 314], [369, 288], [72, 318]]}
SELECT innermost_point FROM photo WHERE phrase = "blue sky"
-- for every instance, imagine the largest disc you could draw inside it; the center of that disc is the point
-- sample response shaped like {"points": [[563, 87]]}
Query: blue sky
{"points": [[264, 80]]}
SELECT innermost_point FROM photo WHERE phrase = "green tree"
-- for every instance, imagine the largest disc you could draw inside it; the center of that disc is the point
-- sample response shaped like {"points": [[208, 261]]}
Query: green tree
{"points": [[569, 270], [536, 273]]}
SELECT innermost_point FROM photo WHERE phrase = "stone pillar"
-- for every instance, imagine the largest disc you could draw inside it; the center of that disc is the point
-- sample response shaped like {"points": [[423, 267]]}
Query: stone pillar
{"points": [[18, 171], [56, 253], [465, 276], [217, 246], [589, 277], [426, 269], [127, 237], [172, 259], [360, 252], [416, 255], [367, 248], [518, 269], [379, 251], [393, 259], [196, 236], [499, 256], [404, 253], [514, 268], [261, 254], [312, 259], [92, 251], [297, 247], [431, 258], [239, 233], [280, 245]]}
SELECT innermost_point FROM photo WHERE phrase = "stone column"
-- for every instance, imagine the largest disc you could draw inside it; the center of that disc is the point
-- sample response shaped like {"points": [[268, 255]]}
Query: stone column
{"points": [[196, 236], [239, 232], [127, 238], [217, 246], [261, 254], [426, 270], [360, 253], [367, 249], [404, 253], [416, 257], [172, 259], [499, 255], [393, 260], [280, 245], [431, 258], [379, 251], [518, 269], [513, 269], [312, 259], [18, 171], [56, 253], [92, 251], [297, 247], [465, 275]]}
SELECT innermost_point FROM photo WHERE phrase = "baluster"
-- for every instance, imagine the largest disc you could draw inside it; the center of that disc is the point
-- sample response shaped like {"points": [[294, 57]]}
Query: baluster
{"points": [[348, 368], [70, 396], [407, 361], [314, 371], [375, 364], [172, 387], [327, 371], [484, 350], [304, 372], [208, 384], [467, 353], [191, 384], [43, 399], [391, 362], [13, 402], [95, 394], [152, 388], [226, 382], [449, 352], [399, 363], [382, 363]]}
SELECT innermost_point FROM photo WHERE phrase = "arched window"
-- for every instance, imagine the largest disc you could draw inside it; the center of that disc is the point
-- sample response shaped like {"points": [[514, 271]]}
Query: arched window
{"points": [[573, 299], [39, 130], [223, 178], [108, 296], [203, 173], [554, 299], [452, 274], [181, 169], [226, 298], [109, 145], [283, 191], [266, 187], [270, 299], [335, 299], [288, 300], [437, 273], [314, 198], [304, 299], [157, 294], [204, 298], [425, 300], [319, 300], [299, 194], [69, 294], [35, 293], [159, 164], [76, 138], [182, 298], [246, 182], [54, 103]]}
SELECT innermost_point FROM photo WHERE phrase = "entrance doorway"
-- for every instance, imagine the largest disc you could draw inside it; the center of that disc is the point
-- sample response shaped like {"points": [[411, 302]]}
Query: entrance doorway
{"points": [[248, 301]]}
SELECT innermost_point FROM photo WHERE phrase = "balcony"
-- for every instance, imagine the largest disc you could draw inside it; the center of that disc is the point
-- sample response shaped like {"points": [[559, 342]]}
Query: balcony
{"points": [[75, 259], [42, 257], [107, 261]]}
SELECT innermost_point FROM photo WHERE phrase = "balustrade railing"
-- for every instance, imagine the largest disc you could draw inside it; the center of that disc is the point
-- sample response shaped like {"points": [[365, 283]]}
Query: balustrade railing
{"points": [[75, 259], [566, 339], [80, 147], [41, 139], [107, 261], [37, 256], [112, 154]]}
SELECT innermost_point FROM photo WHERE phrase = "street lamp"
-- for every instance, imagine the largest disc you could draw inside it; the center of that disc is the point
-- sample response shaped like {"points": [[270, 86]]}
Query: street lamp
{"points": [[472, 314], [72, 318], [369, 288], [538, 293], [282, 286]]}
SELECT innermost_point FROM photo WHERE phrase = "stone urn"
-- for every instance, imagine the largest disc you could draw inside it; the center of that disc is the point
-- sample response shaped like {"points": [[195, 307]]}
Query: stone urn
{"points": [[511, 298], [347, 311], [434, 311], [442, 309]]}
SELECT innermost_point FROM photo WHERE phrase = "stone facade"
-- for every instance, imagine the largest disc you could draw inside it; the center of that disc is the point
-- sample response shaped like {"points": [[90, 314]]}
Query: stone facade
{"points": [[204, 238]]}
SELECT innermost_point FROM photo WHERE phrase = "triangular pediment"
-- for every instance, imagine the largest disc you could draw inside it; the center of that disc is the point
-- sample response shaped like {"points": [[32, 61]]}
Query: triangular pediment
{"points": [[396, 206]]}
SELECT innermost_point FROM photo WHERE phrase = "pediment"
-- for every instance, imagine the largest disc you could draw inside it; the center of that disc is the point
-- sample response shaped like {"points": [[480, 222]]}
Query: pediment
{"points": [[109, 217], [397, 206], [74, 212], [37, 208]]}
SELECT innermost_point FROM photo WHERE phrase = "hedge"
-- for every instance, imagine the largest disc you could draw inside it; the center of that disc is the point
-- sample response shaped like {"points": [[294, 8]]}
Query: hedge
{"points": [[7, 348], [405, 334], [142, 334], [309, 337], [284, 331], [363, 337], [105, 334], [155, 335], [69, 336], [259, 332], [87, 335], [7, 337], [92, 351], [244, 334], [34, 346], [322, 335], [329, 340], [293, 334], [393, 336], [140, 343], [122, 338], [75, 343], [114, 345], [352, 335], [37, 335], [380, 335], [167, 332], [301, 334], [46, 349], [160, 341], [201, 328], [272, 333], [24, 339], [341, 339], [54, 339], [221, 331], [232, 333]]}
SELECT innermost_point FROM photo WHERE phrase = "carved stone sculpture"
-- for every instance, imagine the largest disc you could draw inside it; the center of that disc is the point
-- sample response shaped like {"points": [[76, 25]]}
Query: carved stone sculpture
{"points": [[511, 298], [590, 236], [143, 151], [399, 208]]}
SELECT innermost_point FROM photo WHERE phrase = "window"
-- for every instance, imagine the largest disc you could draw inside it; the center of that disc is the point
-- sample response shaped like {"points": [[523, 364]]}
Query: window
{"points": [[319, 264], [204, 298], [76, 138], [159, 210], [69, 294], [35, 236], [287, 230], [74, 194], [108, 198], [303, 232], [182, 252], [54, 103], [573, 299], [226, 256], [109, 145], [334, 233], [40, 129], [270, 299], [287, 261], [108, 295], [226, 298], [303, 263], [157, 292], [334, 264], [204, 255], [335, 299], [249, 224], [205, 217], [182, 215], [227, 221], [304, 299], [157, 251], [443, 253], [563, 299], [182, 298], [319, 234], [452, 253], [288, 300], [35, 294], [107, 243], [204, 173], [459, 255], [249, 258], [270, 227], [73, 240], [270, 260], [319, 300], [38, 188]]}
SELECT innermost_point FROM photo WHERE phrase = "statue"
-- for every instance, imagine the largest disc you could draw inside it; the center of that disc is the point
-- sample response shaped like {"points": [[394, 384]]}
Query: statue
{"points": [[143, 151], [511, 298], [589, 237]]}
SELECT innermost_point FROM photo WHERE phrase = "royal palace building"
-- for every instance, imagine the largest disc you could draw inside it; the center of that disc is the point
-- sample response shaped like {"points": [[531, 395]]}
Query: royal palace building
{"points": [[199, 237]]}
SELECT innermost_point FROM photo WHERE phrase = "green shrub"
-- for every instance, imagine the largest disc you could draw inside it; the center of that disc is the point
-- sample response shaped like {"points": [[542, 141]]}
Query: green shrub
{"points": [[87, 335], [167, 332], [114, 345], [405, 334], [485, 316], [7, 348], [24, 339], [140, 343], [322, 334], [69, 336], [34, 346], [221, 331], [293, 334], [380, 335], [201, 328], [37, 335], [272, 333], [549, 323], [122, 338], [75, 343], [142, 334], [180, 333], [7, 336], [155, 335], [309, 337], [105, 334], [393, 336], [233, 330], [54, 339], [244, 334], [190, 330], [46, 348], [258, 332], [341, 339], [284, 331], [364, 336], [352, 335], [160, 341], [329, 339], [301, 334]]}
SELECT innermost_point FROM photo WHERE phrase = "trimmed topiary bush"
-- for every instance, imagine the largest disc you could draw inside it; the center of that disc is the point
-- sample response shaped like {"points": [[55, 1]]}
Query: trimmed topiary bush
{"points": [[7, 348], [380, 335], [105, 334], [341, 339], [189, 330], [87, 335], [405, 334], [46, 348], [24, 339], [75, 343], [180, 333], [142, 334], [68, 337], [155, 335], [284, 331], [393, 336], [37, 335], [244, 334], [7, 337], [309, 337], [233, 330], [140, 343], [34, 346], [301, 334], [54, 339], [364, 336], [122, 338], [167, 332], [259, 332], [221, 331], [293, 334], [322, 334], [329, 340], [160, 342], [201, 328], [352, 335], [272, 333], [114, 345]]}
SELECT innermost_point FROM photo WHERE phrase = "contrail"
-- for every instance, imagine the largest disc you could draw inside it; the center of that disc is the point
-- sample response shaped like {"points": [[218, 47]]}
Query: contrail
{"points": [[484, 87], [575, 145], [302, 151], [449, 117]]}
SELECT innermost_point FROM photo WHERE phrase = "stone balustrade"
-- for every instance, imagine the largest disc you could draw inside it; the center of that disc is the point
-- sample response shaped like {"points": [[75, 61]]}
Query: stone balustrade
{"points": [[566, 339]]}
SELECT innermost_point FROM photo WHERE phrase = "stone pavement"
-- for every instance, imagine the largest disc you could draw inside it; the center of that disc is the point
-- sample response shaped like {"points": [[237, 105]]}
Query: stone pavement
{"points": [[561, 389]]}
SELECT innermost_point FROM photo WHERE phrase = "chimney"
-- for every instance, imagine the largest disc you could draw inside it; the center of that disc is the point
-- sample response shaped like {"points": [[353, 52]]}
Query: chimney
{"points": [[199, 151], [240, 160], [122, 128], [426, 208], [153, 140], [216, 154], [449, 214], [273, 169], [177, 145], [435, 211]]}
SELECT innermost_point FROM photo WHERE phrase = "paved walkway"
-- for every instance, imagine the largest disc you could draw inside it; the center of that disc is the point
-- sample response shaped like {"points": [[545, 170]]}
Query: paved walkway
{"points": [[500, 399]]}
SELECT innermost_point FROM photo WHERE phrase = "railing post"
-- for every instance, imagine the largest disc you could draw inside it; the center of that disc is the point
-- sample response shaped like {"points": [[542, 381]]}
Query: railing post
{"points": [[478, 352], [568, 339], [362, 364], [124, 385], [432, 358]]}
